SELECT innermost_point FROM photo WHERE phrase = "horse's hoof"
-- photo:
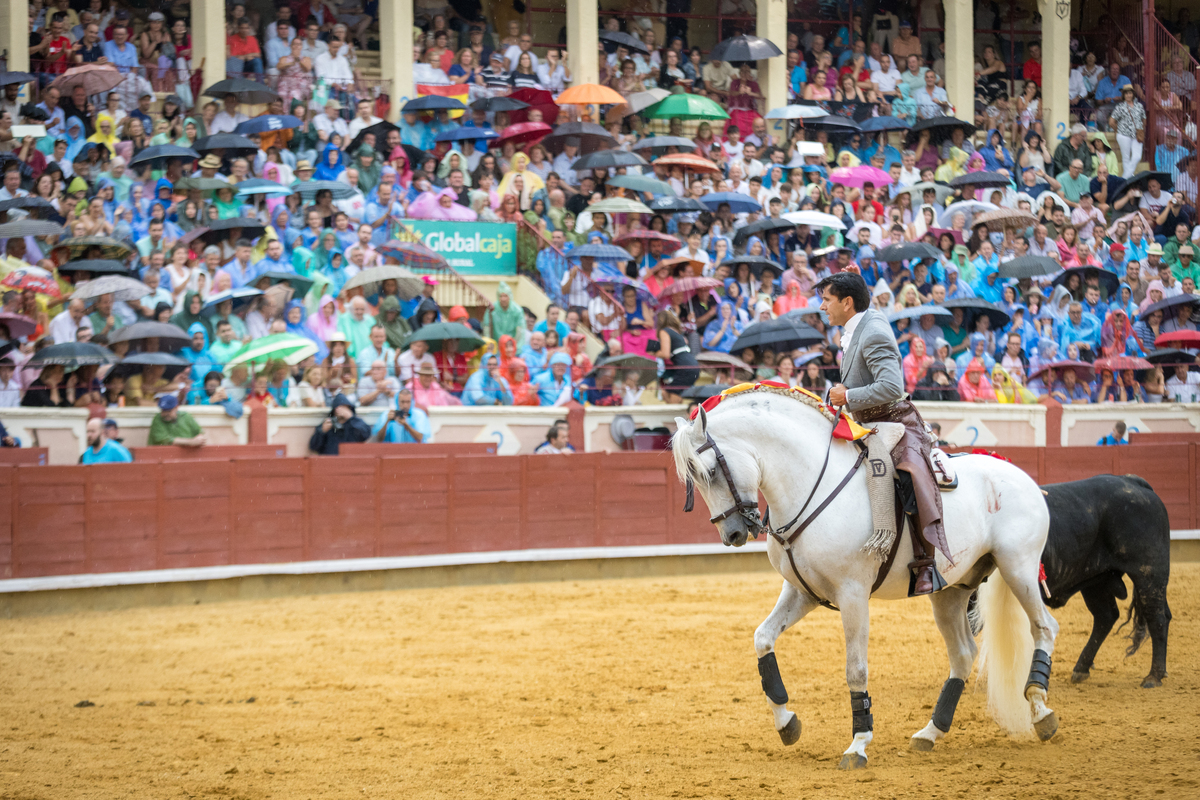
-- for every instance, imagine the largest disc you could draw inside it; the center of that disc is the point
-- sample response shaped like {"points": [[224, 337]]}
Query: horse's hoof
{"points": [[1151, 682], [1046, 727], [1080, 677], [921, 744], [852, 761], [790, 733]]}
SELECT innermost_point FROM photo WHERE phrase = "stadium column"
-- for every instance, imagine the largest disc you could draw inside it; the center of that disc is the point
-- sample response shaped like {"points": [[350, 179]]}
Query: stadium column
{"points": [[960, 57], [583, 29], [14, 37], [396, 52], [1056, 69], [208, 40], [773, 72]]}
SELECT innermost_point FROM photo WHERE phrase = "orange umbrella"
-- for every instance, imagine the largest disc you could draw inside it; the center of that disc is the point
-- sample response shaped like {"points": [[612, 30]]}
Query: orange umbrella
{"points": [[689, 161], [586, 94]]}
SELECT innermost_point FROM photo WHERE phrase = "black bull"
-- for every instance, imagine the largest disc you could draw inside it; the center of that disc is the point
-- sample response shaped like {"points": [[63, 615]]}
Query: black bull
{"points": [[1101, 529]]}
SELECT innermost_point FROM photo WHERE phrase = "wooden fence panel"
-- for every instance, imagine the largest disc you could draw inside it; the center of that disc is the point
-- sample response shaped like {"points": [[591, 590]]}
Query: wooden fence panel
{"points": [[342, 507], [122, 517], [194, 522], [632, 491], [7, 496], [267, 510], [561, 501], [414, 506], [49, 532], [1076, 463], [485, 503], [1166, 468]]}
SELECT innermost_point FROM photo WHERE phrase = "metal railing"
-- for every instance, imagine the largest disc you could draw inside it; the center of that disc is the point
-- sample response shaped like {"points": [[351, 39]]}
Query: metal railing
{"points": [[530, 243], [453, 289]]}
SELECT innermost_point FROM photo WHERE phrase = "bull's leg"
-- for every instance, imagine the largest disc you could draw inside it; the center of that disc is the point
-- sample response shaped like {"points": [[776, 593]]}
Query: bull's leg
{"points": [[856, 623], [789, 609], [1100, 601], [1150, 592], [949, 611]]}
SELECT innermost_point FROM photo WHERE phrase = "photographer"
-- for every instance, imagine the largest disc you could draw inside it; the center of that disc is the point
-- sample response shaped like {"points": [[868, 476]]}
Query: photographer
{"points": [[403, 423], [342, 425]]}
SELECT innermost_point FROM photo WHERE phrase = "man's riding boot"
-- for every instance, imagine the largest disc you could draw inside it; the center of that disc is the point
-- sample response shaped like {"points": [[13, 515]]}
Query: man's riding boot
{"points": [[923, 575]]}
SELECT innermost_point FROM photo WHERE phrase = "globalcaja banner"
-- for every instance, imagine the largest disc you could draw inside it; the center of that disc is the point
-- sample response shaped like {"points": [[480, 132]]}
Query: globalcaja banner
{"points": [[472, 248]]}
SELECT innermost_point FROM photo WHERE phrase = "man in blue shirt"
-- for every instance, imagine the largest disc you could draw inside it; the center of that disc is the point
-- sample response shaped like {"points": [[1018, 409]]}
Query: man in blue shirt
{"points": [[553, 384], [1108, 93], [239, 269], [120, 52], [1116, 437], [404, 423], [273, 261], [101, 449], [1081, 330], [378, 213]]}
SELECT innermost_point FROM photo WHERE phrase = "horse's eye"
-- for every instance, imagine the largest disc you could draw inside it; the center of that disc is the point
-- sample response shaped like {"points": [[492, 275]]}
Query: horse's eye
{"points": [[712, 472]]}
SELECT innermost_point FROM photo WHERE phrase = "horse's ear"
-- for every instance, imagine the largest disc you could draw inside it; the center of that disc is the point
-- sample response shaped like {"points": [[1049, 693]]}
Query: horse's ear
{"points": [[700, 428]]}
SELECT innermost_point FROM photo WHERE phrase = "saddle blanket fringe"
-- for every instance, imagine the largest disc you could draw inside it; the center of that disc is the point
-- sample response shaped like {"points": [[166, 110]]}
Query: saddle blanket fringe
{"points": [[882, 491]]}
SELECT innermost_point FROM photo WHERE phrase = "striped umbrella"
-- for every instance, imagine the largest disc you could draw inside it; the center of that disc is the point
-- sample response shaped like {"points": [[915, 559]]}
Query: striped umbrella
{"points": [[79, 247], [412, 254], [689, 161], [286, 347]]}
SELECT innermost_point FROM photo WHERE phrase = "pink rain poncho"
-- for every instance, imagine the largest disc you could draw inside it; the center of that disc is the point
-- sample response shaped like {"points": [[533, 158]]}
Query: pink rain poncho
{"points": [[430, 206]]}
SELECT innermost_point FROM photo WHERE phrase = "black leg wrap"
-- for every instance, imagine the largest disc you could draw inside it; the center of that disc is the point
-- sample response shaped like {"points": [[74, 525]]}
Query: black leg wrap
{"points": [[1039, 672], [860, 706], [772, 683], [943, 712]]}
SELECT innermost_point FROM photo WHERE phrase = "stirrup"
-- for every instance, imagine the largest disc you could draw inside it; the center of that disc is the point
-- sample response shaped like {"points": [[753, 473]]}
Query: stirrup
{"points": [[937, 582], [948, 487]]}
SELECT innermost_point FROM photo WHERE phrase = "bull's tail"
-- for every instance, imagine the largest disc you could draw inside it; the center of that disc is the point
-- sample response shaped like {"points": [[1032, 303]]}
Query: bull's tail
{"points": [[1139, 632]]}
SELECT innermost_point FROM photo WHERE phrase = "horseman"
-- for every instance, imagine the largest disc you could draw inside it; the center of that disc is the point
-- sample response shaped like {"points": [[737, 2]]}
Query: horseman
{"points": [[873, 390]]}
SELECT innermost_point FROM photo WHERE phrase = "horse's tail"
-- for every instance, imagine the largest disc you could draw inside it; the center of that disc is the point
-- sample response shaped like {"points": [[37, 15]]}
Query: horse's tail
{"points": [[1005, 656], [1138, 633]]}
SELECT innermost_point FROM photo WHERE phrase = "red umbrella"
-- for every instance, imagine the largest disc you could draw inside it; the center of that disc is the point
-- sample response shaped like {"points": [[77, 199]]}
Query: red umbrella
{"points": [[524, 133], [1083, 370], [94, 78], [1117, 363], [18, 324], [648, 235], [689, 287], [689, 161], [35, 278], [1186, 337], [536, 98]]}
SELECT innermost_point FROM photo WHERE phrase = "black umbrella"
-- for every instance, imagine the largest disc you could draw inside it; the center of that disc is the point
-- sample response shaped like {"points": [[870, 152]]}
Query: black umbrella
{"points": [[1029, 267], [231, 143], [762, 226], [939, 128], [907, 250], [415, 155], [674, 204], [158, 155], [590, 135], [983, 179], [662, 143], [744, 48], [34, 205], [1169, 305], [833, 123], [73, 354], [136, 363], [1169, 357], [916, 312], [704, 391], [1139, 181], [628, 41], [96, 266], [498, 104], [217, 231], [247, 91], [29, 227], [783, 334], [756, 263], [9, 78], [79, 247], [974, 306], [381, 130], [1108, 280], [609, 158], [170, 337]]}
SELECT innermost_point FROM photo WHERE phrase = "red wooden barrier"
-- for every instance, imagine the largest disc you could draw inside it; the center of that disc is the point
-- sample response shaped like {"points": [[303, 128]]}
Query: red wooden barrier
{"points": [[25, 455], [376, 449], [218, 452], [1136, 437]]}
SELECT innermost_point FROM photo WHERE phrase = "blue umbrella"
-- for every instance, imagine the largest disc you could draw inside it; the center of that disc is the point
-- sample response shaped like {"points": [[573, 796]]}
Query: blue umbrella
{"points": [[604, 273], [674, 204], [464, 133], [267, 122], [261, 186], [433, 102], [242, 299], [738, 202], [160, 153], [605, 252], [880, 124], [916, 312]]}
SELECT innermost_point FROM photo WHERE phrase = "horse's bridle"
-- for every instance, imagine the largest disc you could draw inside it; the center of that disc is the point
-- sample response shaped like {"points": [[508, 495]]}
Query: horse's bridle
{"points": [[747, 508]]}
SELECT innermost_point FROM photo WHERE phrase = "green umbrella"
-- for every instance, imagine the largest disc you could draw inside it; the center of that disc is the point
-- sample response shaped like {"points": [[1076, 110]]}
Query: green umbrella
{"points": [[619, 205], [642, 183], [437, 332], [286, 347], [685, 106]]}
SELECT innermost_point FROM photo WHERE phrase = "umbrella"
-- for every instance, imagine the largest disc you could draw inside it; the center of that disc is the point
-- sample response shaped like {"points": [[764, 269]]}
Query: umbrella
{"points": [[533, 98], [371, 280], [265, 123], [619, 205], [648, 235], [916, 312], [641, 183], [653, 143], [165, 332], [738, 203], [1139, 181], [858, 176], [1029, 267], [94, 78], [498, 104], [979, 306], [605, 159], [1168, 305], [380, 130], [686, 106], [762, 226], [308, 189], [1170, 356], [1010, 217], [136, 363], [939, 128], [31, 204], [413, 254], [242, 299], [704, 391], [795, 112], [715, 359], [433, 102], [1083, 370], [756, 263], [213, 234], [119, 286], [158, 155], [1179, 337], [646, 368], [690, 162], [628, 41], [982, 179], [815, 219], [201, 184], [586, 94], [35, 278], [881, 124], [833, 123], [907, 250], [29, 227], [94, 266], [231, 143], [1108, 280], [437, 332], [605, 274], [674, 204], [917, 190], [604, 252], [80, 246], [466, 132], [688, 287], [18, 325], [640, 101], [11, 78], [286, 347], [969, 208], [781, 334], [255, 186], [247, 91], [523, 132], [591, 136], [1118, 363], [744, 48], [72, 354], [298, 282]]}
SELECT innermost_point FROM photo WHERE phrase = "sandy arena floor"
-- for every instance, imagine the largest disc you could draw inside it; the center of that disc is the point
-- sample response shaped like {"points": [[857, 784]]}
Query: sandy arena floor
{"points": [[636, 688]]}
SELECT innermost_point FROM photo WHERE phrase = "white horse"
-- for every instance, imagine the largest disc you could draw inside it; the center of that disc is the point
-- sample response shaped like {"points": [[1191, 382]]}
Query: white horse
{"points": [[774, 441]]}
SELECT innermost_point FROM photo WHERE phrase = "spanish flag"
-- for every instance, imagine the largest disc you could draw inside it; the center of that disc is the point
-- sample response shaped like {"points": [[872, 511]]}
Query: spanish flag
{"points": [[458, 91]]}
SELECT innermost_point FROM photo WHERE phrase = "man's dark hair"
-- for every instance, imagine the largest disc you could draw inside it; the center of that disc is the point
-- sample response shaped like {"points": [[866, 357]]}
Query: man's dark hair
{"points": [[224, 322], [1120, 428], [244, 243], [847, 284]]}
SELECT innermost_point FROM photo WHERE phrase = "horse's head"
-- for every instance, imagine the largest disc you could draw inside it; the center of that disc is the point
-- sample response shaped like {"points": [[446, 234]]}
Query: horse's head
{"points": [[725, 474]]}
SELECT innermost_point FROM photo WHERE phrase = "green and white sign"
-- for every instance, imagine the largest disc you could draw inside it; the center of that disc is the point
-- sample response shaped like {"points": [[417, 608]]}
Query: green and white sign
{"points": [[472, 248]]}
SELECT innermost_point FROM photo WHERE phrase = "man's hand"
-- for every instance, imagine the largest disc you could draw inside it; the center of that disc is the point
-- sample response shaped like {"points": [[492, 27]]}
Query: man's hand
{"points": [[327, 425], [8, 441], [837, 395], [851, 268], [391, 415]]}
